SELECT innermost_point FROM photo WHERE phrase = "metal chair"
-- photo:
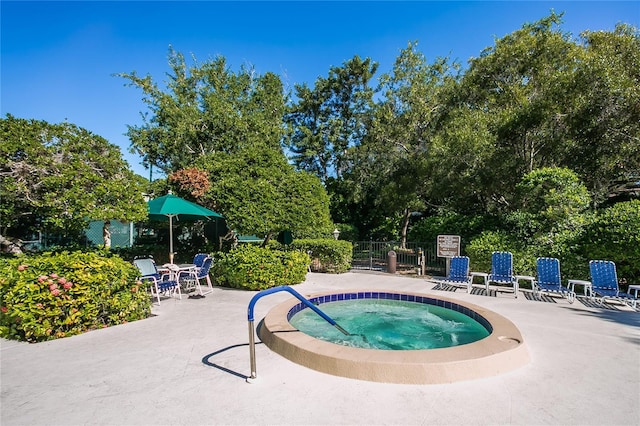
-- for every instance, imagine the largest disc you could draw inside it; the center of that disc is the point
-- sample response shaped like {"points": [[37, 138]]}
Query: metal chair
{"points": [[199, 258], [604, 282], [198, 273], [502, 270], [160, 283], [459, 275], [549, 279]]}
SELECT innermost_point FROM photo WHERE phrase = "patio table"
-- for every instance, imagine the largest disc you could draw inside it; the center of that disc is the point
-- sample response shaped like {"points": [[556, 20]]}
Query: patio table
{"points": [[586, 285], [174, 270], [484, 276], [529, 278], [635, 288]]}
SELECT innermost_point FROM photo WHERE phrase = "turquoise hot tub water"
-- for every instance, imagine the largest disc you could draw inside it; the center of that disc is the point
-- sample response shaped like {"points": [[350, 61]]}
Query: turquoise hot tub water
{"points": [[390, 324]]}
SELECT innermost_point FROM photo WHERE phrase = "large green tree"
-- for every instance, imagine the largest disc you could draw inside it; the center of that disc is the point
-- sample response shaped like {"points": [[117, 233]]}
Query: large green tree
{"points": [[540, 98], [205, 108], [520, 87], [57, 177], [229, 126], [605, 113], [331, 117], [391, 165], [260, 193]]}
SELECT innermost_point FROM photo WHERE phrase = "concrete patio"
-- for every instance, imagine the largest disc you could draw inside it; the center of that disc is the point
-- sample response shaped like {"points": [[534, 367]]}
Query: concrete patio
{"points": [[187, 366]]}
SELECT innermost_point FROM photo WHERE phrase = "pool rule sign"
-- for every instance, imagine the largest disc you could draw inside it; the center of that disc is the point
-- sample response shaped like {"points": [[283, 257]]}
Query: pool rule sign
{"points": [[448, 245]]}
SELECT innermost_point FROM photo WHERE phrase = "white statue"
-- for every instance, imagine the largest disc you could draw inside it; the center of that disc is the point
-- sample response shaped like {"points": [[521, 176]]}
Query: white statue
{"points": [[106, 235]]}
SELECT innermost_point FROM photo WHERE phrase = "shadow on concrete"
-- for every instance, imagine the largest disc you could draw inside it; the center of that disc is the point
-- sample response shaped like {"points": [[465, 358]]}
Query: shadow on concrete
{"points": [[619, 314], [206, 360]]}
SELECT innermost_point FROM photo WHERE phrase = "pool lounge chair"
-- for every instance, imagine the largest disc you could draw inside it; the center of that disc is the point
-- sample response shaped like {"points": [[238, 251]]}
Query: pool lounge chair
{"points": [[160, 284], [502, 270], [459, 275], [604, 282], [549, 279]]}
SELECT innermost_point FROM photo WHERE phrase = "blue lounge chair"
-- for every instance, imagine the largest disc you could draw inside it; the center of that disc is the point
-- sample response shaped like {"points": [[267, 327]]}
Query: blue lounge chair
{"points": [[459, 273], [604, 282], [549, 279], [502, 270], [160, 284]]}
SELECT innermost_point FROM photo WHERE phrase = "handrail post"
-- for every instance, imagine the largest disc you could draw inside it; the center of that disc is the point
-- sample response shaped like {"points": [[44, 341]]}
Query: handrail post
{"points": [[252, 339], [252, 352]]}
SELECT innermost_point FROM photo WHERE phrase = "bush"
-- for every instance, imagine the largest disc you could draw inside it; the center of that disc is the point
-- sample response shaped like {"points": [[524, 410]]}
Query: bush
{"points": [[468, 227], [553, 196], [327, 255], [251, 267], [480, 249], [53, 295], [614, 235]]}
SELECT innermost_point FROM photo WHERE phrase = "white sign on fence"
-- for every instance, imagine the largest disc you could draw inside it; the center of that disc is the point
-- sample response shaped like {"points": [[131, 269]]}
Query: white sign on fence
{"points": [[448, 245]]}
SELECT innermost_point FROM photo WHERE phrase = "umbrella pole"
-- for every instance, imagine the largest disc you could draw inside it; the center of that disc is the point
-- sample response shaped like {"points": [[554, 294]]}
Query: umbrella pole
{"points": [[170, 239]]}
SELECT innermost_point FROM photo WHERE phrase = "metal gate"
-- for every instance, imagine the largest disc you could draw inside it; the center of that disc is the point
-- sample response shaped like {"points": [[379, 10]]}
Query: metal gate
{"points": [[372, 255]]}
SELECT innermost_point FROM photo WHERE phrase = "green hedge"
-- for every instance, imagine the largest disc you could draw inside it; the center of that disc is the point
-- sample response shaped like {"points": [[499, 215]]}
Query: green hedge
{"points": [[614, 234], [468, 227], [609, 234], [53, 295], [252, 267], [333, 256]]}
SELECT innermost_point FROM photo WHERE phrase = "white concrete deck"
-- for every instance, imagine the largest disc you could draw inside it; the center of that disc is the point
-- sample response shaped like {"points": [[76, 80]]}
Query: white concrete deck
{"points": [[187, 364]]}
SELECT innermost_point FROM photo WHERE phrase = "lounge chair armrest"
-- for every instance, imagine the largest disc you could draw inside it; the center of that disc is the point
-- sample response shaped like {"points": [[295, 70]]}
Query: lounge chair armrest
{"points": [[148, 278]]}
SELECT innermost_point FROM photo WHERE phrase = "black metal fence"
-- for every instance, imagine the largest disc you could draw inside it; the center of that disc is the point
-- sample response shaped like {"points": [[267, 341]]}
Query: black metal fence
{"points": [[415, 257]]}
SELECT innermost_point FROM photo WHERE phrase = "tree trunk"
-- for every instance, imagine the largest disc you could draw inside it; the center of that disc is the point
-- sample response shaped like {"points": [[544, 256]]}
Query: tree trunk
{"points": [[266, 239], [404, 227]]}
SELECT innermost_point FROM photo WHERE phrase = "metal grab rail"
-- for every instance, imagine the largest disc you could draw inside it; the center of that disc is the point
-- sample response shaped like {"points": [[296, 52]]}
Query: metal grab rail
{"points": [[252, 304]]}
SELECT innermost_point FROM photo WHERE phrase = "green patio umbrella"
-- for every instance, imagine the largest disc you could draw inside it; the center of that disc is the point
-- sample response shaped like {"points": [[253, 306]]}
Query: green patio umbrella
{"points": [[170, 206]]}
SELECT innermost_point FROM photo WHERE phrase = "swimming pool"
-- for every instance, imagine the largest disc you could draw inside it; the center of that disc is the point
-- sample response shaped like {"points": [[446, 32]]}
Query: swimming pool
{"points": [[503, 350]]}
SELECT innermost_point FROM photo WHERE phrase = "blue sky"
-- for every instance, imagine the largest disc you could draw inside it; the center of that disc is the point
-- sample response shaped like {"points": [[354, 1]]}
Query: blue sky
{"points": [[58, 58]]}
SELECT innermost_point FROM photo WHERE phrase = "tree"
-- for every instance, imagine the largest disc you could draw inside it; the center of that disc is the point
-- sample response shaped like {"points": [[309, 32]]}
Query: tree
{"points": [[58, 177], [540, 98], [224, 127], [330, 118], [520, 86], [550, 201], [461, 180], [392, 161], [206, 108], [605, 117], [552, 194], [260, 193]]}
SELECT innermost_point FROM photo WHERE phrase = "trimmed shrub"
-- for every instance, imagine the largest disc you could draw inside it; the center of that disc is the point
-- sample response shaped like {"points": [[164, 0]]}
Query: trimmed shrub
{"points": [[53, 295], [333, 256], [251, 267]]}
